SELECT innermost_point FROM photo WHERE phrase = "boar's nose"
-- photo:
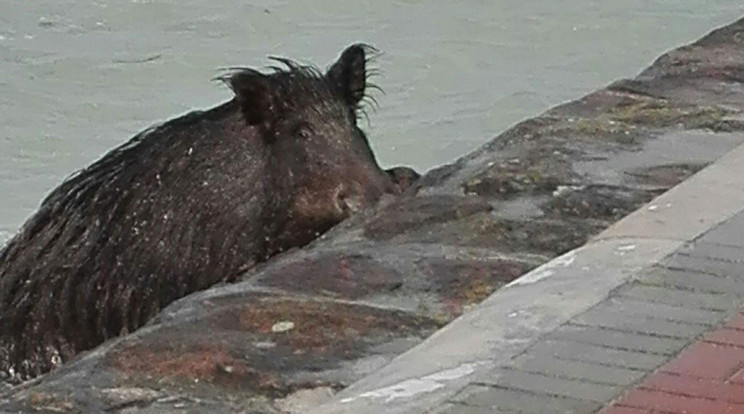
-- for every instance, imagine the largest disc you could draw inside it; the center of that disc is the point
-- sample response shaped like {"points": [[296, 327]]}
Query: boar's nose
{"points": [[348, 201]]}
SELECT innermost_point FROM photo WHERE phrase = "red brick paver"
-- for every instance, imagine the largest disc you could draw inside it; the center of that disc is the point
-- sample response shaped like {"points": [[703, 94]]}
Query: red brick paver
{"points": [[706, 378], [738, 378], [732, 337], [707, 360], [737, 322], [625, 410], [695, 387], [657, 401]]}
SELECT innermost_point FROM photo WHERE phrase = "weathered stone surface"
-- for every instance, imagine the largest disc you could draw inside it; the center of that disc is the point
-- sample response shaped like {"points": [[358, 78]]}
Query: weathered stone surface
{"points": [[243, 348], [338, 274], [321, 317], [411, 214]]}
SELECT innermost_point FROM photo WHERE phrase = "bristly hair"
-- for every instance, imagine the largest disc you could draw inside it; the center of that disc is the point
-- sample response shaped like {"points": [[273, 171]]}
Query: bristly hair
{"points": [[371, 54], [290, 74]]}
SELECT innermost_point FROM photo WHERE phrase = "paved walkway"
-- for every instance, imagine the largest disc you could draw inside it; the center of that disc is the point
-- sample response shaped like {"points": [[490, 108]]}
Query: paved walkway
{"points": [[677, 305], [646, 318]]}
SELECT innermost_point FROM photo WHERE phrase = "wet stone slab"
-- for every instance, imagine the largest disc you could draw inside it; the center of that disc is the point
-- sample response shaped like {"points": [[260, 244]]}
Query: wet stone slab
{"points": [[250, 346], [263, 344], [290, 333]]}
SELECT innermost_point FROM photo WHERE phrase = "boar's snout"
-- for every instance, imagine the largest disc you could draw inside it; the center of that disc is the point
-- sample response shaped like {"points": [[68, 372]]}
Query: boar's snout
{"points": [[352, 198], [346, 203], [350, 202]]}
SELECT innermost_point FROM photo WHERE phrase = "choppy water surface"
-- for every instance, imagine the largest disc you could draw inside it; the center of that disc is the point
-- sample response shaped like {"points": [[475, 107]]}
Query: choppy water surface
{"points": [[79, 77]]}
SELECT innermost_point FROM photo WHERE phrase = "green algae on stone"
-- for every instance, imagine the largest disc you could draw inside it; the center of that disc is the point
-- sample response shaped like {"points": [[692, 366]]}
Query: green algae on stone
{"points": [[625, 123], [528, 130], [660, 113]]}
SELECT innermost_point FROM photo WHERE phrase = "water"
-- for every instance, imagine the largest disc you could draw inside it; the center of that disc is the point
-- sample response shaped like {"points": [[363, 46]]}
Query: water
{"points": [[77, 78]]}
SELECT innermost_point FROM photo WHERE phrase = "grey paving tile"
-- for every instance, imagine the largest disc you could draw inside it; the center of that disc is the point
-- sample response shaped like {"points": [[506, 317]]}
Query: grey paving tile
{"points": [[639, 323], [732, 254], [587, 371], [450, 408], [693, 281], [706, 265], [541, 384], [597, 354], [662, 311], [620, 339], [730, 232], [522, 402], [678, 297], [713, 251]]}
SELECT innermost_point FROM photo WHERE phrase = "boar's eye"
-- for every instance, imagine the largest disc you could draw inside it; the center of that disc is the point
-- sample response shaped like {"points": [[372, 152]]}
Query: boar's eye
{"points": [[303, 131]]}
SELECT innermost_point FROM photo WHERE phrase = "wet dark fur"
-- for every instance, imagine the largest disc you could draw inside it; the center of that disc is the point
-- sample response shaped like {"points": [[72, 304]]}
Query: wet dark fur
{"points": [[184, 205]]}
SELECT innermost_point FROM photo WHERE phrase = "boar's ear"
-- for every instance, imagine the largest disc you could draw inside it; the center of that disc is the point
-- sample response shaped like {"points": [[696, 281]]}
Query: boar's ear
{"points": [[349, 74], [255, 95]]}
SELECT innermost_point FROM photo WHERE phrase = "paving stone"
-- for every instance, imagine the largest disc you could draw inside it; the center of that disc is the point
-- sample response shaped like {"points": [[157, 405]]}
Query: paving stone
{"points": [[737, 322], [620, 339], [599, 355], [638, 323], [705, 378], [673, 403], [678, 297], [587, 371], [706, 265], [730, 232], [695, 387], [737, 378], [732, 254], [523, 402], [623, 410], [706, 360], [541, 384], [661, 311], [694, 281], [465, 409], [733, 337]]}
